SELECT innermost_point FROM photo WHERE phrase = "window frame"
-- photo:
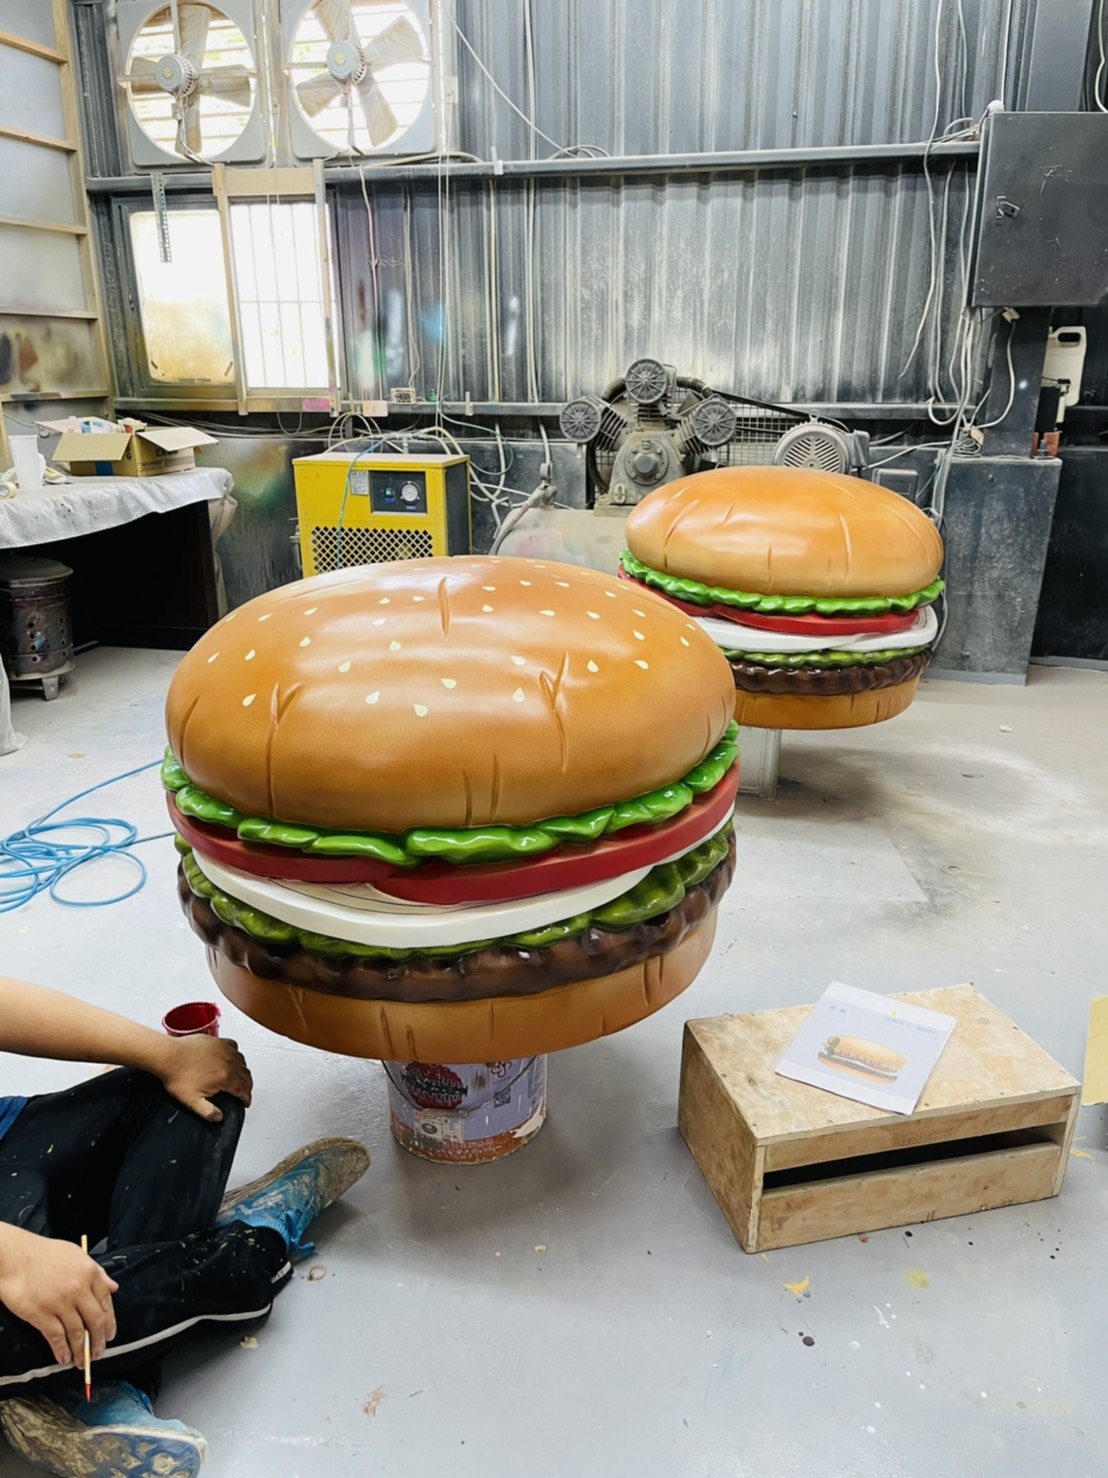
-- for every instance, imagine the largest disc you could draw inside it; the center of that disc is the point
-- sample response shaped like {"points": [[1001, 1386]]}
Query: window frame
{"points": [[136, 386]]}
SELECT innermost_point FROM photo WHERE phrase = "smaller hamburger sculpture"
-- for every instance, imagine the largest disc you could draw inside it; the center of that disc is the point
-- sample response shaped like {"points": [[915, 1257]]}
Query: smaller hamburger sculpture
{"points": [[453, 811], [818, 588]]}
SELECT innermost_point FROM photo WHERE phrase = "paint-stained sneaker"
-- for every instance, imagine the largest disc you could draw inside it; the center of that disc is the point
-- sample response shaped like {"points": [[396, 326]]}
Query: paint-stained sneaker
{"points": [[294, 1192], [115, 1433]]}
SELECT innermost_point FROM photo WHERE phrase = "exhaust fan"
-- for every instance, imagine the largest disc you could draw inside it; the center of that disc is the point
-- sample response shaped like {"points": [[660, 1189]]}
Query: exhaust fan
{"points": [[191, 81], [359, 78]]}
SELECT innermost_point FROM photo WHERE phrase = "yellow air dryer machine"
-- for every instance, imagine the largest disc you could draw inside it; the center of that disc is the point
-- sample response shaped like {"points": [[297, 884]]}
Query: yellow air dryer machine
{"points": [[372, 507]]}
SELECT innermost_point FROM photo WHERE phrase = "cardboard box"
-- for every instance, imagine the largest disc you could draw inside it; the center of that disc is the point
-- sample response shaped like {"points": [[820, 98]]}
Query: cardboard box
{"points": [[135, 451]]}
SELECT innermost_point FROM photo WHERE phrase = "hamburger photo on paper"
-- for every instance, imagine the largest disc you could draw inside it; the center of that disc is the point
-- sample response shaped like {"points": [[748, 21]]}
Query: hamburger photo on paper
{"points": [[453, 809], [818, 588], [862, 1058]]}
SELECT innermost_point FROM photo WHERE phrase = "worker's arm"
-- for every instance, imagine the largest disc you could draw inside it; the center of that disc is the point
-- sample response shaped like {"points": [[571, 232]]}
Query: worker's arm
{"points": [[37, 1022], [58, 1290]]}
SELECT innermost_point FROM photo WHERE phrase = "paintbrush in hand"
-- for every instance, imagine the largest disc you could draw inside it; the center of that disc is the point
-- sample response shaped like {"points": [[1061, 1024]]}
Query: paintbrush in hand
{"points": [[88, 1342]]}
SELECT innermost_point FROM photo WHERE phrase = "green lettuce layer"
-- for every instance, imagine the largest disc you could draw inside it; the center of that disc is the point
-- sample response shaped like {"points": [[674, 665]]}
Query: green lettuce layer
{"points": [[784, 605], [472, 844], [820, 659], [663, 888]]}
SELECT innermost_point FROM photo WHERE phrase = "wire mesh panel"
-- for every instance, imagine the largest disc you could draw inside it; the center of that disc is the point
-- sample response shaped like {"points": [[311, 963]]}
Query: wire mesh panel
{"points": [[368, 546]]}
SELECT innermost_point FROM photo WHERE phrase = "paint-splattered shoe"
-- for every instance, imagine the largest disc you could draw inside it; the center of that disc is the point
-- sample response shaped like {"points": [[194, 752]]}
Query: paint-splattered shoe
{"points": [[290, 1197], [116, 1433]]}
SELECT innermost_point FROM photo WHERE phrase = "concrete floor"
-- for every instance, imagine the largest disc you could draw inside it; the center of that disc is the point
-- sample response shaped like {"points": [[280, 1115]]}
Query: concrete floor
{"points": [[582, 1309]]}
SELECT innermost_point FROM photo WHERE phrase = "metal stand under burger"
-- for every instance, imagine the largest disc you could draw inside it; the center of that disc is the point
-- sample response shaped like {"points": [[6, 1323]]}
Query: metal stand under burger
{"points": [[817, 587], [454, 814]]}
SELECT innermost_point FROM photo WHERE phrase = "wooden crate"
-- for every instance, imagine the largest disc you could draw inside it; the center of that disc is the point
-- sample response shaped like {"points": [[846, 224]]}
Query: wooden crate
{"points": [[790, 1164]]}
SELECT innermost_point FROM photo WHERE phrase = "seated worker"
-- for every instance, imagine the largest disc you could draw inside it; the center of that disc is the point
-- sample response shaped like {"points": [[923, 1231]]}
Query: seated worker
{"points": [[137, 1160]]}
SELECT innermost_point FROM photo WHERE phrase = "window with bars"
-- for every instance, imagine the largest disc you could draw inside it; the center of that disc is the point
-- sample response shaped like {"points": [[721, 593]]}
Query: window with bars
{"points": [[275, 248]]}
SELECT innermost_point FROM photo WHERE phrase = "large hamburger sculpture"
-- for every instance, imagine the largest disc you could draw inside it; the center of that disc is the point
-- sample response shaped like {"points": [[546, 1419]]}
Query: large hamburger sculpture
{"points": [[453, 810], [818, 588]]}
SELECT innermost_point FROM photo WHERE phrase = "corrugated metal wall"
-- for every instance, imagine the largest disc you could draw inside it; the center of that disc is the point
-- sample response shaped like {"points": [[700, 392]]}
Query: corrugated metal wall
{"points": [[669, 76], [801, 285]]}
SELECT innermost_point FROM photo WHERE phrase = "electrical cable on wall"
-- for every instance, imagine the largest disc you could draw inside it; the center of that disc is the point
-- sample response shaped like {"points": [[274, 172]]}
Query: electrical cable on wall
{"points": [[38, 857], [1098, 80]]}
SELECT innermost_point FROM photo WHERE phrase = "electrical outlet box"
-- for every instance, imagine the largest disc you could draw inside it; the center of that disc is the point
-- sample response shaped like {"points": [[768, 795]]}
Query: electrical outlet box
{"points": [[902, 480]]}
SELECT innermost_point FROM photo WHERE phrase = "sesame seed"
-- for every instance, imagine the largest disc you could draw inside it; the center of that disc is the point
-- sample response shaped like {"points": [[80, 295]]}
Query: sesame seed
{"points": [[306, 641], [684, 641], [593, 615], [546, 613], [251, 654], [246, 702], [638, 612], [519, 661], [610, 594], [311, 610], [486, 608], [384, 601], [394, 646], [488, 587], [212, 658], [378, 620], [418, 598], [592, 666], [638, 636], [517, 696], [640, 663], [525, 582], [419, 710], [562, 584], [372, 697], [266, 616], [345, 666], [448, 682]]}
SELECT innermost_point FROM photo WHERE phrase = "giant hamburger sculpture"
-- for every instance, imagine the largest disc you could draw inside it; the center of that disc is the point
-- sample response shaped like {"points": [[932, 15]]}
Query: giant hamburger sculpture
{"points": [[453, 810], [818, 588]]}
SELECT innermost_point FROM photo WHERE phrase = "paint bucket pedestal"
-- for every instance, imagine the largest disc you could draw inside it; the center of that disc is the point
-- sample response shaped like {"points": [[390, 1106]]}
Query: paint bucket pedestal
{"points": [[466, 1113]]}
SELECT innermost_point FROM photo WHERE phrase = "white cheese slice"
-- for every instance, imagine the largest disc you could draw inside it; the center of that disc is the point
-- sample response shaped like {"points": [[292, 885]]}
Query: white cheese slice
{"points": [[739, 638]]}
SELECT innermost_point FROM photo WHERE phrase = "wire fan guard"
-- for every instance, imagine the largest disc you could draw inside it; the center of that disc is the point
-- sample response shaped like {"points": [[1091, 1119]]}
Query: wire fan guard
{"points": [[814, 445], [713, 422], [359, 76], [581, 419], [647, 382], [191, 81]]}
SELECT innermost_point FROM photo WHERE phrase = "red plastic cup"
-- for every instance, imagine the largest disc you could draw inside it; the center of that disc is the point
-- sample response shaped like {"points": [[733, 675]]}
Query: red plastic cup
{"points": [[195, 1019]]}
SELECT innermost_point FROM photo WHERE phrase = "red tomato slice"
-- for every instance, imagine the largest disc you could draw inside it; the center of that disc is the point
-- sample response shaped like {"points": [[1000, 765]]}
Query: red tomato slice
{"points": [[811, 624], [567, 866], [266, 861]]}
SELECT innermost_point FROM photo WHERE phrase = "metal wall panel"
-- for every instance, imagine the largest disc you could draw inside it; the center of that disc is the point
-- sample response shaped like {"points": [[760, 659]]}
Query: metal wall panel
{"points": [[801, 284], [666, 76], [805, 286]]}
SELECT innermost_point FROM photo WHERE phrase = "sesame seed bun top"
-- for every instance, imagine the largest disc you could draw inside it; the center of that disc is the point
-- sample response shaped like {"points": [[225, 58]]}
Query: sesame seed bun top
{"points": [[786, 531], [446, 692]]}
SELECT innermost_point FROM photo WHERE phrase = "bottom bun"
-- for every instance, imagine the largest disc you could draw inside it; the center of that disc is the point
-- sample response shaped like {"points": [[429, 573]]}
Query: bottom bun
{"points": [[482, 1030], [837, 711]]}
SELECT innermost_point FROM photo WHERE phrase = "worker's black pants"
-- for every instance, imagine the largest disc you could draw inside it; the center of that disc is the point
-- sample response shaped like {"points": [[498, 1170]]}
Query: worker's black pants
{"points": [[119, 1161]]}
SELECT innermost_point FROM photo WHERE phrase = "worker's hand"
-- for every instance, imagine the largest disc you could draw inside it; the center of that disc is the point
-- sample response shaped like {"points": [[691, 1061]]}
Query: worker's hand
{"points": [[194, 1069], [59, 1290]]}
